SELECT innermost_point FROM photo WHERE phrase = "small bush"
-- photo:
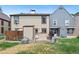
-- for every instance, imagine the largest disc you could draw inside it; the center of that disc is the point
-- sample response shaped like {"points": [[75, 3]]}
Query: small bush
{"points": [[78, 36]]}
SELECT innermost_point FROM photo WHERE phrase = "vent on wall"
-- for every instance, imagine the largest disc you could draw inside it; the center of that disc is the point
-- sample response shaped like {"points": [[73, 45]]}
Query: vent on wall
{"points": [[32, 11]]}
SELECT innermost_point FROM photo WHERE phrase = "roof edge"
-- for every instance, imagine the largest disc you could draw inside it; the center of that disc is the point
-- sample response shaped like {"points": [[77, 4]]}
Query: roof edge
{"points": [[29, 14]]}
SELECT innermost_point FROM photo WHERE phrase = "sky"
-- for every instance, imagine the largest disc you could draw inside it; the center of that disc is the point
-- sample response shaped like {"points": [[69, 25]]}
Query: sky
{"points": [[15, 9]]}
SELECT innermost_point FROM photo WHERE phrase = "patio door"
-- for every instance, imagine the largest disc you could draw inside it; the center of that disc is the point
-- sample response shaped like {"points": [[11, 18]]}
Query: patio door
{"points": [[55, 31]]}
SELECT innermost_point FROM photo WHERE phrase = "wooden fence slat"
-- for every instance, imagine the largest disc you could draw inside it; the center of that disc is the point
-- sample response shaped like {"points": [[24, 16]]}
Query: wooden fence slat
{"points": [[14, 35]]}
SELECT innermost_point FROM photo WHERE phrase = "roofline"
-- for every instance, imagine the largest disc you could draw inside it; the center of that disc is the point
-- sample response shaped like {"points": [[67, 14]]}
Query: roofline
{"points": [[28, 26], [30, 15], [5, 20], [76, 14], [64, 9]]}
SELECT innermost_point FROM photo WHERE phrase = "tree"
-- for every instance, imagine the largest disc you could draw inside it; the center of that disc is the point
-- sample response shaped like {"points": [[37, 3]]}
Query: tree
{"points": [[77, 13]]}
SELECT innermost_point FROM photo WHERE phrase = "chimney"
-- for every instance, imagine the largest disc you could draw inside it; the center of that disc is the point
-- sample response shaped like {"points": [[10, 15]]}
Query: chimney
{"points": [[32, 11]]}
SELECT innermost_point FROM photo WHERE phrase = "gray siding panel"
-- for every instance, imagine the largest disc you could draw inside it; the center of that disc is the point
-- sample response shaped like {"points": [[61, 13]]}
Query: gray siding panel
{"points": [[61, 15]]}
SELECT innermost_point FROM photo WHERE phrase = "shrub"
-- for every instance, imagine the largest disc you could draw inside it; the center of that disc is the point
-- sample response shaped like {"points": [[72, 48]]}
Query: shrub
{"points": [[78, 36]]}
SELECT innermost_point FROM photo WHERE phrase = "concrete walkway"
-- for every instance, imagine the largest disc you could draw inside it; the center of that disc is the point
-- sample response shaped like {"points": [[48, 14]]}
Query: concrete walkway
{"points": [[16, 49]]}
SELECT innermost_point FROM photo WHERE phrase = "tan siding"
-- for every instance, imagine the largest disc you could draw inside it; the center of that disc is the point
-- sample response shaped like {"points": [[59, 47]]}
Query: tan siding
{"points": [[31, 20], [76, 32], [28, 32]]}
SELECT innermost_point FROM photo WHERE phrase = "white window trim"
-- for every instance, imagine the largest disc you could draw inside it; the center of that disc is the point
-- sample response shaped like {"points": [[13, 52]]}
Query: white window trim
{"points": [[16, 18], [53, 22], [67, 22]]}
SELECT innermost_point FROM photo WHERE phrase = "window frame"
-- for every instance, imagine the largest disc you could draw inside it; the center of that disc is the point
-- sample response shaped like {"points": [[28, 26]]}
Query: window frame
{"points": [[70, 31], [44, 19], [67, 22], [54, 22], [35, 30], [2, 22], [2, 30], [16, 19], [43, 30]]}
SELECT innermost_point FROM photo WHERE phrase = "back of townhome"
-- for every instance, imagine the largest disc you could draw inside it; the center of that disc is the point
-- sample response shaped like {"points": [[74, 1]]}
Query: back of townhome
{"points": [[61, 22], [31, 24]]}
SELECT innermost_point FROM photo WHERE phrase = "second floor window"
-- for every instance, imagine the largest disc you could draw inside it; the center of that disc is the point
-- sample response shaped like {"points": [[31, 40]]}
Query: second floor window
{"points": [[55, 22], [44, 19], [16, 19], [67, 22]]}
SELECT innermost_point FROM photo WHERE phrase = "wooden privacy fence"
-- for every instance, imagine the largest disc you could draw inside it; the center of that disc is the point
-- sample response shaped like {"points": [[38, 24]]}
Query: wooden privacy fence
{"points": [[14, 35]]}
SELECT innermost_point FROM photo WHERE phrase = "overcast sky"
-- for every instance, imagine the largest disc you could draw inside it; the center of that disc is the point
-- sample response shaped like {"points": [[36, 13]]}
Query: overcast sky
{"points": [[14, 9]]}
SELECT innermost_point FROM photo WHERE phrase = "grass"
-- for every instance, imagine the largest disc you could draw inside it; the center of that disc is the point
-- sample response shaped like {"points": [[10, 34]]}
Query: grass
{"points": [[62, 46], [5, 45]]}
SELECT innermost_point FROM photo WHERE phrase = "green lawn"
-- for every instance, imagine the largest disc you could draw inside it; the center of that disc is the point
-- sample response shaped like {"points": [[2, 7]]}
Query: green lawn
{"points": [[5, 45], [62, 46]]}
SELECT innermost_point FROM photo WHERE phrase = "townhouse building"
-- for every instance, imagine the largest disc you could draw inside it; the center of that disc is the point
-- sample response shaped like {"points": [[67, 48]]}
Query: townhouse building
{"points": [[31, 24], [60, 22], [4, 22]]}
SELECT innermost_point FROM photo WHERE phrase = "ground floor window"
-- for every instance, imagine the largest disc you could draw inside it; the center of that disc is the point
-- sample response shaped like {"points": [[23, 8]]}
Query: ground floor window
{"points": [[70, 31], [9, 29], [2, 30], [55, 31], [44, 30], [16, 29], [36, 30]]}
